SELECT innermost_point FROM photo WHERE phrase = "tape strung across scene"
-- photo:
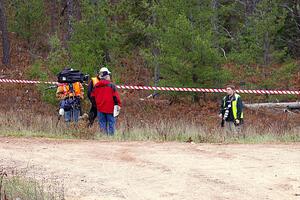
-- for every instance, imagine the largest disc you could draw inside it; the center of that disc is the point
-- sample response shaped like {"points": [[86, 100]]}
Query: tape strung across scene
{"points": [[207, 90]]}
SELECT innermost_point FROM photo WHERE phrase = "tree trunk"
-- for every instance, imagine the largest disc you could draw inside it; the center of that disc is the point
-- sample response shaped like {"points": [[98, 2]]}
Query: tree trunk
{"points": [[295, 15], [70, 11], [250, 6], [266, 49], [5, 39], [291, 105], [214, 19], [155, 53], [196, 98], [53, 17]]}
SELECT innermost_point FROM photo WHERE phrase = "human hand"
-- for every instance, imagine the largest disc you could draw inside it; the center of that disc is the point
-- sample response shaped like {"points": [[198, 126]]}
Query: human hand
{"points": [[220, 116], [237, 121]]}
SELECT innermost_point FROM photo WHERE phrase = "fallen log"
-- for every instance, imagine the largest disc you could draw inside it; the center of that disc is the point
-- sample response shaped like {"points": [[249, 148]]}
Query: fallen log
{"points": [[288, 105]]}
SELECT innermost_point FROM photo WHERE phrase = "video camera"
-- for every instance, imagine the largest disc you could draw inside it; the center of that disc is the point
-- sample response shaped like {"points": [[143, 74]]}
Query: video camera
{"points": [[70, 75]]}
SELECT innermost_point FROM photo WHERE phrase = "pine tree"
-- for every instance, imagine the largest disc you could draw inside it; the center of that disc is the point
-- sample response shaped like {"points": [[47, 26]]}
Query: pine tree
{"points": [[93, 40], [256, 42], [184, 35], [5, 39]]}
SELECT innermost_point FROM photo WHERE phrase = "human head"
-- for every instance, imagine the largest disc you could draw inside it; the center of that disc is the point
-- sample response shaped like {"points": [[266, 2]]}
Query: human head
{"points": [[230, 89], [103, 69], [104, 73]]}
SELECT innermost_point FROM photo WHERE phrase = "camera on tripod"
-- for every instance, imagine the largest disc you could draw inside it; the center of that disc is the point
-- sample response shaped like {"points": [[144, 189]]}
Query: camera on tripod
{"points": [[70, 75]]}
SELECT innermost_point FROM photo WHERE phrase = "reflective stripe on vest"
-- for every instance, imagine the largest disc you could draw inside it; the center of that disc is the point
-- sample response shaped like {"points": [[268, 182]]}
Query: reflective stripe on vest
{"points": [[95, 80], [234, 106]]}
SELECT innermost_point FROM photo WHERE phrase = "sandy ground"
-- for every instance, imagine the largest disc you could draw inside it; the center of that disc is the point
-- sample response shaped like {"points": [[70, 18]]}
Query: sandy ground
{"points": [[136, 171]]}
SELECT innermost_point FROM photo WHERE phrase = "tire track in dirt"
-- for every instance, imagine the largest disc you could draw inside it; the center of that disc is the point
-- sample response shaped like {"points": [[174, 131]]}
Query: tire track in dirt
{"points": [[147, 170]]}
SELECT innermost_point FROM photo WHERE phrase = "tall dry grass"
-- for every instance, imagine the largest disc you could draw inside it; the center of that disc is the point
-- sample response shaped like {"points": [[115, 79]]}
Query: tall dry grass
{"points": [[18, 185], [30, 125]]}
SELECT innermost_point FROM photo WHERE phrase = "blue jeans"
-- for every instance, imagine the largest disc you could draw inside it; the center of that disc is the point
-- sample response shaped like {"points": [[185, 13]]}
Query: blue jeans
{"points": [[72, 115], [106, 122]]}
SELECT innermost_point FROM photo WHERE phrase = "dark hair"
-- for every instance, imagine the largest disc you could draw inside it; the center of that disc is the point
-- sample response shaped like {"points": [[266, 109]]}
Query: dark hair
{"points": [[230, 86], [104, 74]]}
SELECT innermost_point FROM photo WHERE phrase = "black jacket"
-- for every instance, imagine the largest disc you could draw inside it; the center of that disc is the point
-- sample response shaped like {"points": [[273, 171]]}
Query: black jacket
{"points": [[224, 105]]}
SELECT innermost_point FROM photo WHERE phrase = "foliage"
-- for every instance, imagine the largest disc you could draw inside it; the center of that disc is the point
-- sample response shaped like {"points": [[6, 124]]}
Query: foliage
{"points": [[35, 71], [38, 72], [256, 40], [184, 38], [92, 43], [29, 18], [58, 56], [136, 16], [282, 77], [184, 43]]}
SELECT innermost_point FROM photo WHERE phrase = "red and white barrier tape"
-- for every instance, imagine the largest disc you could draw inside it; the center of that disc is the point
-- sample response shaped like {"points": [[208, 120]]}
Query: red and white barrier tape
{"points": [[279, 92], [207, 90], [25, 81]]}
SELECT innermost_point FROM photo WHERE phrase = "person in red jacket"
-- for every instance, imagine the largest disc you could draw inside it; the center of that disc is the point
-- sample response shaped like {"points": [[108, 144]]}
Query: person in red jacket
{"points": [[107, 99]]}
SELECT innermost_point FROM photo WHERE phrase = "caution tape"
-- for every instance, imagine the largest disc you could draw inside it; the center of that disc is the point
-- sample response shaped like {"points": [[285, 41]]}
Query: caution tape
{"points": [[25, 81], [175, 89]]}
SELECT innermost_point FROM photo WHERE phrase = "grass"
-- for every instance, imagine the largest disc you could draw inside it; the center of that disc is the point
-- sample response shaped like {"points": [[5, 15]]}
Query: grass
{"points": [[17, 186], [26, 125]]}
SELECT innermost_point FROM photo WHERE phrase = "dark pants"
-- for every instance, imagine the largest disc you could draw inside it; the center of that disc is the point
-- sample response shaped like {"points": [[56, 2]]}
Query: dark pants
{"points": [[92, 115]]}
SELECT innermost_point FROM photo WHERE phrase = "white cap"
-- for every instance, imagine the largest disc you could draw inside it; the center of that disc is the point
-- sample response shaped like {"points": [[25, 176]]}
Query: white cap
{"points": [[104, 69]]}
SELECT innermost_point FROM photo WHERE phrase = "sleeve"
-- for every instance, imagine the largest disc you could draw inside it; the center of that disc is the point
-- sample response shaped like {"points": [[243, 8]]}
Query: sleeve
{"points": [[239, 107], [118, 100]]}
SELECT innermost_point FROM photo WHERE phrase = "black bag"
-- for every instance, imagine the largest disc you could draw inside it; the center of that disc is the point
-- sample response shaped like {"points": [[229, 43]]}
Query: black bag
{"points": [[70, 75]]}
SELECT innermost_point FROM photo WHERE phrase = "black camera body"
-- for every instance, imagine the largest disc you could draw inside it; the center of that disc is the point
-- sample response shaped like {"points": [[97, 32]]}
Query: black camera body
{"points": [[70, 75]]}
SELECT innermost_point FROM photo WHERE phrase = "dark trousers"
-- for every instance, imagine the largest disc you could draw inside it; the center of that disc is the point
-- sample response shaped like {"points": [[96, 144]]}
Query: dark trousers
{"points": [[92, 115]]}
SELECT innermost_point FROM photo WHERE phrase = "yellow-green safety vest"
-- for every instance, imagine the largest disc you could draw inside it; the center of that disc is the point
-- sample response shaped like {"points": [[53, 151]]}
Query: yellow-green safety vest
{"points": [[234, 106]]}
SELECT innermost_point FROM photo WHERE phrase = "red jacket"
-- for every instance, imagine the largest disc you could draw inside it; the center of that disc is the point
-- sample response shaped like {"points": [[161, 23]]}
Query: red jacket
{"points": [[104, 92]]}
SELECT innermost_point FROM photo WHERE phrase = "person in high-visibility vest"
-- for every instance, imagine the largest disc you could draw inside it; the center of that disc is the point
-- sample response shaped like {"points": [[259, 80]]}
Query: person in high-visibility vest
{"points": [[231, 111], [91, 86], [70, 95]]}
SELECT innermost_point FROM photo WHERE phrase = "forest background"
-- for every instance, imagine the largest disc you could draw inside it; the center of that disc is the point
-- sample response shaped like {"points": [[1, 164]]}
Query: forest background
{"points": [[253, 44]]}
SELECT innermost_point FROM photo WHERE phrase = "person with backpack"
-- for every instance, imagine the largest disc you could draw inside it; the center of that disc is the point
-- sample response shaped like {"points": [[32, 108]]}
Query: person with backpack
{"points": [[231, 111], [108, 102], [70, 96]]}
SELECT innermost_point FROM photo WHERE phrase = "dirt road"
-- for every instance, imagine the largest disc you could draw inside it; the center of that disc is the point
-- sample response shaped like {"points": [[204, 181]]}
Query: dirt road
{"points": [[171, 171]]}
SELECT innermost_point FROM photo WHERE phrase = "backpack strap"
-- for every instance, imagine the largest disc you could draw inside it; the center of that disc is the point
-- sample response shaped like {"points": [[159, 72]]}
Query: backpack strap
{"points": [[112, 86]]}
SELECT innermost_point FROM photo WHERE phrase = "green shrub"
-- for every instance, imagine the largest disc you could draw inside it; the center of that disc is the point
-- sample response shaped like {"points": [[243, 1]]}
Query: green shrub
{"points": [[58, 56], [38, 72], [35, 71]]}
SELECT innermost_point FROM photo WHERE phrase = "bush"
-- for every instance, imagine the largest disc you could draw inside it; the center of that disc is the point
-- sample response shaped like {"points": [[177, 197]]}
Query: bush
{"points": [[35, 71], [58, 56], [38, 72]]}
